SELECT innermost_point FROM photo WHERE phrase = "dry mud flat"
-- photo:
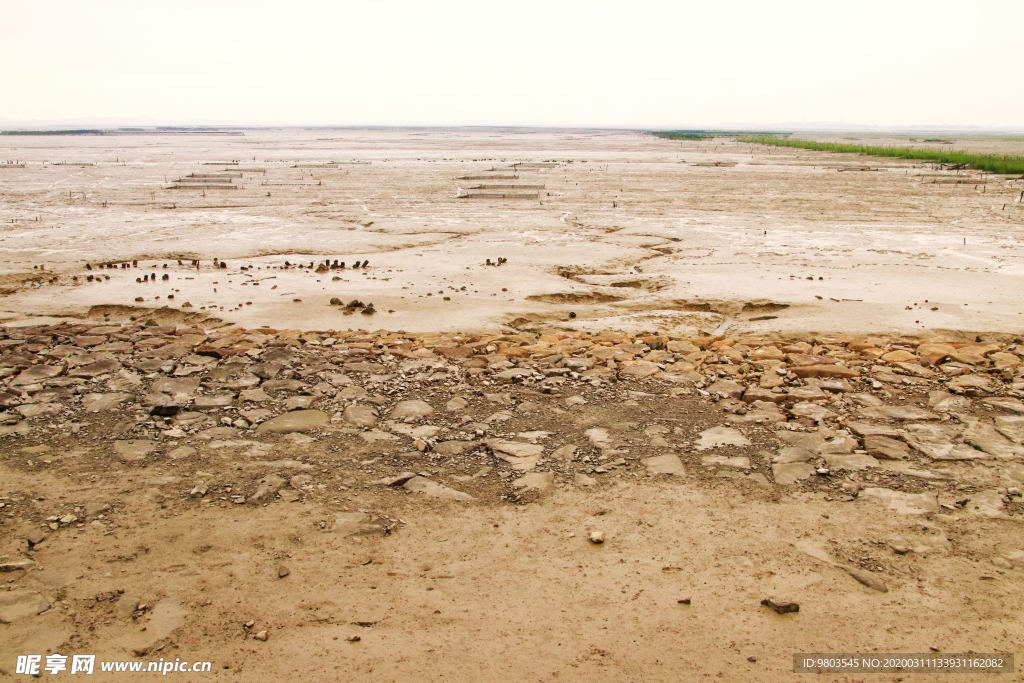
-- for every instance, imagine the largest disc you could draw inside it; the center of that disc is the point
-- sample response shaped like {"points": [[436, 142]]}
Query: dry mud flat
{"points": [[629, 231], [386, 506]]}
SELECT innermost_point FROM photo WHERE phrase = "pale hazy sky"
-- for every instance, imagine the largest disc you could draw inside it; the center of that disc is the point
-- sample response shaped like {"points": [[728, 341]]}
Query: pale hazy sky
{"points": [[628, 64]]}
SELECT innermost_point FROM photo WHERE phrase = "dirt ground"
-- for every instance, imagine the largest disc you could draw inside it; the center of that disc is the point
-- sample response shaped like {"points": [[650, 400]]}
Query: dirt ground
{"points": [[286, 489]]}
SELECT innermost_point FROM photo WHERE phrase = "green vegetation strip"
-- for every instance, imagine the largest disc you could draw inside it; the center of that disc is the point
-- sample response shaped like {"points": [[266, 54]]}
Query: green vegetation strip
{"points": [[992, 163]]}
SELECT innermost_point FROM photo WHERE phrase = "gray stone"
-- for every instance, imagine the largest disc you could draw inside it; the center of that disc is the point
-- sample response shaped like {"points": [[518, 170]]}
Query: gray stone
{"points": [[721, 436], [736, 463], [944, 402], [275, 385], [254, 396], [300, 480], [36, 374], [866, 429], [182, 452], [986, 504], [598, 437], [726, 388], [638, 368], [866, 400], [456, 404], [984, 436], [411, 409], [299, 403], [564, 452], [886, 448], [807, 394], [134, 449], [360, 416], [103, 367], [352, 393], [34, 410], [1011, 426], [813, 411], [1005, 403], [209, 402], [450, 448], [98, 403], [512, 374], [179, 389], [266, 489], [255, 415], [222, 432], [583, 480], [898, 413], [851, 462], [296, 421], [522, 456], [664, 464], [15, 605]]}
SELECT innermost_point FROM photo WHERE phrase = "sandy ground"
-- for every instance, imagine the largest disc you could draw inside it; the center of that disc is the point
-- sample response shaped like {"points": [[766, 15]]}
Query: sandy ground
{"points": [[641, 231]]}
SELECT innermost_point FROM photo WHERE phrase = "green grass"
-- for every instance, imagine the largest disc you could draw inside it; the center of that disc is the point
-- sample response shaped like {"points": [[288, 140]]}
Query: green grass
{"points": [[685, 134], [992, 163]]}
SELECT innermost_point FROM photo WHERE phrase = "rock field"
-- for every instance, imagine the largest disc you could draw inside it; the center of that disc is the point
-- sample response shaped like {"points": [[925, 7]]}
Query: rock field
{"points": [[113, 430]]}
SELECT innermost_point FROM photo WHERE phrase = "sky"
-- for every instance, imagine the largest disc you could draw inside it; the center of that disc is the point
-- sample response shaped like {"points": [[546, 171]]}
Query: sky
{"points": [[637, 64]]}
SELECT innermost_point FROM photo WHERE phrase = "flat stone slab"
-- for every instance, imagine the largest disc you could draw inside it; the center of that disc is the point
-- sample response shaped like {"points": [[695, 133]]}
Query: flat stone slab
{"points": [[664, 464], [904, 503], [179, 389], [986, 504], [898, 413], [134, 449], [886, 448], [944, 402], [103, 367], [984, 436], [721, 436], [1011, 426], [98, 403], [208, 402], [36, 374], [254, 396], [407, 409], [360, 416], [1012, 405], [431, 488], [521, 456], [538, 481], [34, 410], [15, 605], [726, 388], [638, 368], [812, 411], [736, 463], [295, 421], [275, 385], [852, 462]]}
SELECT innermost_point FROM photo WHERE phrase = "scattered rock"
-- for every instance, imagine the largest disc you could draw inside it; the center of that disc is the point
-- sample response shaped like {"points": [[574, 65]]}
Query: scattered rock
{"points": [[780, 607], [295, 421]]}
